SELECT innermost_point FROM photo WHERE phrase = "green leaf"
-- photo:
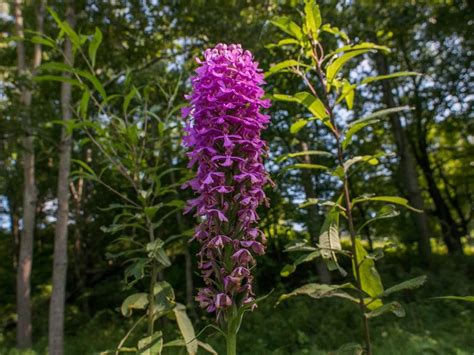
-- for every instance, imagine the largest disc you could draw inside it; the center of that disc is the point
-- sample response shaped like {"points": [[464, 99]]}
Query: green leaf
{"points": [[335, 31], [62, 79], [287, 270], [94, 45], [306, 166], [405, 285], [455, 298], [391, 199], [360, 46], [329, 241], [299, 245], [298, 125], [290, 268], [371, 79], [371, 159], [66, 28], [95, 82], [318, 291], [84, 103], [313, 18], [313, 104], [387, 211], [288, 26], [85, 166], [151, 345], [62, 67], [353, 129], [284, 65], [348, 93], [381, 113], [126, 102], [359, 124], [45, 41], [186, 328], [283, 42], [336, 66], [393, 307], [304, 153], [135, 301], [370, 281]]}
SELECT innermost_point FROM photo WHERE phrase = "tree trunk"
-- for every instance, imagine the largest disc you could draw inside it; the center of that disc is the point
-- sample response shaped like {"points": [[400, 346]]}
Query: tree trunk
{"points": [[80, 264], [312, 223], [407, 166], [24, 327], [57, 305]]}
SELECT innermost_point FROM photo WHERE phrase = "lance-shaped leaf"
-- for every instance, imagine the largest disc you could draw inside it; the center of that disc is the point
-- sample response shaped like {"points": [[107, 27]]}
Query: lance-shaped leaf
{"points": [[313, 104], [284, 65], [455, 298], [94, 45], [371, 79], [66, 28], [312, 17], [299, 245], [288, 26], [186, 328], [405, 285], [392, 307], [306, 166], [290, 268], [391, 199], [356, 126], [336, 66], [151, 345], [370, 281], [359, 46], [335, 31], [317, 291], [298, 125], [302, 154], [43, 40], [283, 42], [329, 241], [387, 211]]}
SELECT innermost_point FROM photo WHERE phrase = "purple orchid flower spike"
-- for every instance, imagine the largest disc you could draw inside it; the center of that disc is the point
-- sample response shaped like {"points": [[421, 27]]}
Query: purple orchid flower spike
{"points": [[223, 134]]}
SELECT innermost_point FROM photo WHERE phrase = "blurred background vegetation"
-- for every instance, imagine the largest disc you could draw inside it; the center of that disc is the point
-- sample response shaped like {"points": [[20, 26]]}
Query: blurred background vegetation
{"points": [[157, 41]]}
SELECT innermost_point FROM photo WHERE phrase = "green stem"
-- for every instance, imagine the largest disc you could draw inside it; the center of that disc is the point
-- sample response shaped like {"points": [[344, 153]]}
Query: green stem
{"points": [[151, 291], [231, 342]]}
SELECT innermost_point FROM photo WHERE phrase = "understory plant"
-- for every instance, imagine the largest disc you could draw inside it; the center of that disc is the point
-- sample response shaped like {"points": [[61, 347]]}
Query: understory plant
{"points": [[327, 91], [131, 131], [223, 134]]}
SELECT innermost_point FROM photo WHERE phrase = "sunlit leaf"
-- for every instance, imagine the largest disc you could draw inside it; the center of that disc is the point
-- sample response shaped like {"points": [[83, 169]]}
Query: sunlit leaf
{"points": [[391, 199], [405, 285], [186, 328], [392, 307], [371, 79], [313, 18], [370, 281], [318, 291], [288, 26]]}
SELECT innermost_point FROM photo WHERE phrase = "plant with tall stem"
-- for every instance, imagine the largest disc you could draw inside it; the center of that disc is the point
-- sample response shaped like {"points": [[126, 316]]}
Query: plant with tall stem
{"points": [[224, 137], [321, 74], [130, 136]]}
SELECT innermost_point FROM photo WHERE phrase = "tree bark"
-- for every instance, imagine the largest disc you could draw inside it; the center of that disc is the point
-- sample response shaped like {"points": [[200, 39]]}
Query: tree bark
{"points": [[311, 224], [57, 303], [407, 166], [23, 292]]}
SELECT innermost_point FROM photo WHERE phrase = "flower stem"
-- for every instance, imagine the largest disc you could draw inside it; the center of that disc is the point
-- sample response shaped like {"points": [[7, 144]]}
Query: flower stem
{"points": [[231, 342]]}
